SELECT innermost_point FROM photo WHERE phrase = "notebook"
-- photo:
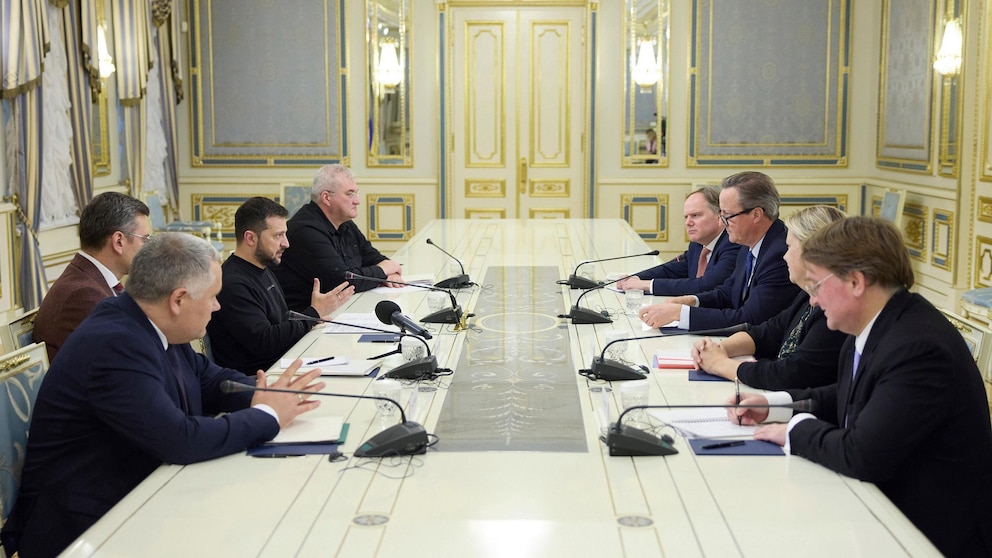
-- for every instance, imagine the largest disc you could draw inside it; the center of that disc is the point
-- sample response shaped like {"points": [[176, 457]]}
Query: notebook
{"points": [[702, 423]]}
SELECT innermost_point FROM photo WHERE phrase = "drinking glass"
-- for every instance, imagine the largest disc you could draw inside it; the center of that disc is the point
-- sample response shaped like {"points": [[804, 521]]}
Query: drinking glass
{"points": [[633, 297]]}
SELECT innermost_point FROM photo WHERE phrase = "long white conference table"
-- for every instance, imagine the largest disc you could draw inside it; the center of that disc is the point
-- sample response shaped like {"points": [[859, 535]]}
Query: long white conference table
{"points": [[524, 472]]}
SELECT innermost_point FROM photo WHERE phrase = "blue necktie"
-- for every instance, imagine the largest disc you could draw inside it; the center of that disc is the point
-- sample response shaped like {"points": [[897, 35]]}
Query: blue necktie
{"points": [[854, 374], [748, 268]]}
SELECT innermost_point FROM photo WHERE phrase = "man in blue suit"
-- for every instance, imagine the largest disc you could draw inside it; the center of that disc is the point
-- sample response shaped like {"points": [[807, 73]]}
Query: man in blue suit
{"points": [[759, 287], [126, 394], [687, 274]]}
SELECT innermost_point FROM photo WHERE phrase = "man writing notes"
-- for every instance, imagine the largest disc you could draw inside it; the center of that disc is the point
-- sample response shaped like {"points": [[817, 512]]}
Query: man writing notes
{"points": [[908, 411], [759, 288], [250, 331], [127, 393], [325, 243], [112, 228], [707, 263]]}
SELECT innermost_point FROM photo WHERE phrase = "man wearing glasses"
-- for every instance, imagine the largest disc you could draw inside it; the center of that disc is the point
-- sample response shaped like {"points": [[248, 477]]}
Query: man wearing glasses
{"points": [[908, 411], [759, 287], [112, 228], [325, 243]]}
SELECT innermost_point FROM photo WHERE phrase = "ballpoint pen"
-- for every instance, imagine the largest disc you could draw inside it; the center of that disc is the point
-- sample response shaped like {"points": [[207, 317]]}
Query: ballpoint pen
{"points": [[723, 445], [319, 360], [737, 386]]}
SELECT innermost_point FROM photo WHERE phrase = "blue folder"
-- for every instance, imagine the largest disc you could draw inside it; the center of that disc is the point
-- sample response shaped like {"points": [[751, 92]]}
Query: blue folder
{"points": [[750, 447]]}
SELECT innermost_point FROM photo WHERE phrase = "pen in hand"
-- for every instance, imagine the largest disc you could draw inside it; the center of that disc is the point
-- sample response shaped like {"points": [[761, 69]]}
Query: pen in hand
{"points": [[737, 386]]}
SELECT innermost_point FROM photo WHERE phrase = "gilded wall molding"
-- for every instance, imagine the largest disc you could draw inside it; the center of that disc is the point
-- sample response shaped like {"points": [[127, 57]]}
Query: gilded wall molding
{"points": [[906, 88], [390, 216], [646, 214], [769, 103], [983, 259], [942, 239], [256, 102], [220, 209], [914, 224]]}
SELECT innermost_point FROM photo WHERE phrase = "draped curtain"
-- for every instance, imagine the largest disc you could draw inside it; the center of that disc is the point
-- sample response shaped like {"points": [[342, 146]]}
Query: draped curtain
{"points": [[170, 78], [58, 204], [79, 27], [25, 41], [131, 50]]}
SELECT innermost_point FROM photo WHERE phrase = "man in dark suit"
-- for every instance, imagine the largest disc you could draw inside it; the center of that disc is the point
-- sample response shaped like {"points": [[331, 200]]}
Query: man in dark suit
{"points": [[686, 274], [112, 228], [250, 331], [127, 393], [759, 287], [325, 243], [908, 411]]}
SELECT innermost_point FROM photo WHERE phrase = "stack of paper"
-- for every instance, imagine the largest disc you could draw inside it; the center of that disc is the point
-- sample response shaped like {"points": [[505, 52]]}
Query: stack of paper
{"points": [[702, 423], [306, 429], [339, 366], [673, 359]]}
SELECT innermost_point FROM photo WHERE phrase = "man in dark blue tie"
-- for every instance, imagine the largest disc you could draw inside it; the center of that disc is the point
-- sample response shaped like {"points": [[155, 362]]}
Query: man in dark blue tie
{"points": [[759, 287], [127, 393], [908, 411]]}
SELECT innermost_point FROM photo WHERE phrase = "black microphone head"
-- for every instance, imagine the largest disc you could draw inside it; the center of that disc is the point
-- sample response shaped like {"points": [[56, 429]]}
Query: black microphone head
{"points": [[653, 253], [230, 386], [385, 310], [429, 241]]}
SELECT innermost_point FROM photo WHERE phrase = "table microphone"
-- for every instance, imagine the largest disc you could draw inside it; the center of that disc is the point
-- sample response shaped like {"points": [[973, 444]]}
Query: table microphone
{"points": [[451, 315], [609, 370], [587, 315], [423, 367], [628, 441], [456, 282], [405, 438], [577, 282]]}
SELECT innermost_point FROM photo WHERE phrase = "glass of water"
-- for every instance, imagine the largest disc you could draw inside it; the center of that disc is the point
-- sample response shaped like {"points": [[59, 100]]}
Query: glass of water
{"points": [[387, 388], [633, 298]]}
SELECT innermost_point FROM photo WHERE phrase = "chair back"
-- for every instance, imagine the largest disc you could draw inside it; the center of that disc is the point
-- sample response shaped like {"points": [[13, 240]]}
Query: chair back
{"points": [[21, 330], [156, 211], [21, 373], [294, 196]]}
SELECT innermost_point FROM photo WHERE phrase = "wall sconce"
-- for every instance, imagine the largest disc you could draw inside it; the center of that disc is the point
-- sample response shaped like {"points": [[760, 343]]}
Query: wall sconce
{"points": [[388, 71], [645, 72], [948, 59], [106, 62]]}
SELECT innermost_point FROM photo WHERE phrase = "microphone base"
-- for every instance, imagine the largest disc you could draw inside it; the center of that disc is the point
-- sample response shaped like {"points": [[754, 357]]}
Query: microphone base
{"points": [[445, 316], [456, 282], [579, 282], [612, 370], [408, 438], [414, 370], [629, 441], [587, 316]]}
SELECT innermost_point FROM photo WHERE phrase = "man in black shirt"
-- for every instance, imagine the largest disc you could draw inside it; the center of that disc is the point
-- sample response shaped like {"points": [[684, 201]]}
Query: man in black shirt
{"points": [[250, 331], [325, 243]]}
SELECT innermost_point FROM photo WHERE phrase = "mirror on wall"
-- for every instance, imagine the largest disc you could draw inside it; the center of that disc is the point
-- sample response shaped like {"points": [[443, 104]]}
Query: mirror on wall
{"points": [[645, 92], [388, 47], [947, 63], [100, 135]]}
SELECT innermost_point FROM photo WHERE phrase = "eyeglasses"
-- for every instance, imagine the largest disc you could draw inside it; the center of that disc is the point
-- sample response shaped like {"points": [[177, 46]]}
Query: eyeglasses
{"points": [[815, 287], [726, 218], [143, 237]]}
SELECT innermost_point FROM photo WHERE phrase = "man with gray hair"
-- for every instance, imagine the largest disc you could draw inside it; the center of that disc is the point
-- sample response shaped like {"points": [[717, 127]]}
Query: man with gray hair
{"points": [[759, 287], [127, 393], [325, 243], [112, 228]]}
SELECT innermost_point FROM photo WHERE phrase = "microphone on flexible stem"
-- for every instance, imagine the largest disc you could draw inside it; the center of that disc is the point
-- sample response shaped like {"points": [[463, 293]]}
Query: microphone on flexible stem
{"points": [[577, 282], [456, 282], [405, 438], [451, 315], [587, 315], [413, 370], [627, 440], [609, 370]]}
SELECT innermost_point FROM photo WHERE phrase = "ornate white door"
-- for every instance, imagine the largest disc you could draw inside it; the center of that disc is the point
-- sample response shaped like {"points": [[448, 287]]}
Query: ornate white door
{"points": [[518, 90]]}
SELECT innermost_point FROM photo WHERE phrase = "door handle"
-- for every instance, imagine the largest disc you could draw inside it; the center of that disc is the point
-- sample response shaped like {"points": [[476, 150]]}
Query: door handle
{"points": [[523, 175]]}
